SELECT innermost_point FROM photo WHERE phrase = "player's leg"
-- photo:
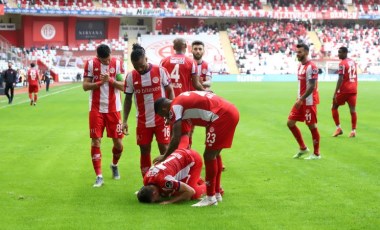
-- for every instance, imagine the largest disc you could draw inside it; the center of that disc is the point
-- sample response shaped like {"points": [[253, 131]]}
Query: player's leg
{"points": [[12, 88], [30, 91], [96, 133], [35, 95], [194, 178], [335, 115], [294, 116], [211, 166], [6, 91], [218, 189], [144, 140], [162, 133], [311, 122], [354, 117], [114, 130]]}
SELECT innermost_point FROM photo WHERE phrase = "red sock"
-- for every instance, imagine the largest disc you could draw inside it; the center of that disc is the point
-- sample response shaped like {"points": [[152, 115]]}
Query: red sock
{"points": [[35, 97], [335, 115], [316, 137], [297, 134], [354, 119], [211, 171], [30, 96], [218, 173], [116, 155], [96, 160], [145, 163], [184, 143]]}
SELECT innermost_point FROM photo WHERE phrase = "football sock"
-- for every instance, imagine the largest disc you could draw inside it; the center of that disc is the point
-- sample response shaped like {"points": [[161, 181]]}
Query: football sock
{"points": [[184, 143], [297, 134], [35, 97], [218, 173], [30, 97], [211, 170], [116, 155], [354, 119], [145, 163], [335, 115], [316, 137], [96, 156]]}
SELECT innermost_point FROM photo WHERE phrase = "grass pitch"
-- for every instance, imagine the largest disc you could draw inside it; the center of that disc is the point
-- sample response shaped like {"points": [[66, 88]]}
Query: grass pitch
{"points": [[46, 174]]}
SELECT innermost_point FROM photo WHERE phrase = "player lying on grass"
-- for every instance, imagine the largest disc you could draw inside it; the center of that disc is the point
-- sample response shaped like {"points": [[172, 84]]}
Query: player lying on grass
{"points": [[177, 178]]}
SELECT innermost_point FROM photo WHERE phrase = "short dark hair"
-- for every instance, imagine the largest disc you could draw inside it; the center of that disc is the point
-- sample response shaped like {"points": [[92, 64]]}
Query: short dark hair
{"points": [[178, 44], [137, 52], [145, 194], [197, 42], [159, 103], [103, 51], [32, 64], [343, 49], [304, 46]]}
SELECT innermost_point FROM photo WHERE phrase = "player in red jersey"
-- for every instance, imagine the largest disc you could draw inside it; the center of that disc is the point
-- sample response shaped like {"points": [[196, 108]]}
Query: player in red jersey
{"points": [[100, 74], [203, 69], [182, 69], [147, 83], [345, 91], [178, 177], [33, 82], [220, 117], [305, 108]]}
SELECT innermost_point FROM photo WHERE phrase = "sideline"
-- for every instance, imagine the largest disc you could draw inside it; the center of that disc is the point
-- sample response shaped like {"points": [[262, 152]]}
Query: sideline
{"points": [[46, 95]]}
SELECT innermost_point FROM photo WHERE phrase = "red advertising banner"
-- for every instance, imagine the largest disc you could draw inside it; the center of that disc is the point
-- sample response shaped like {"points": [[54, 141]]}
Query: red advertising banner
{"points": [[158, 24], [1, 9], [49, 31]]}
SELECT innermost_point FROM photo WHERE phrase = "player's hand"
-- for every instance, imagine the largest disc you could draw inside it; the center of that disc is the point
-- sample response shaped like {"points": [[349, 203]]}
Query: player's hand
{"points": [[159, 159], [298, 103], [105, 77], [165, 202], [125, 129]]}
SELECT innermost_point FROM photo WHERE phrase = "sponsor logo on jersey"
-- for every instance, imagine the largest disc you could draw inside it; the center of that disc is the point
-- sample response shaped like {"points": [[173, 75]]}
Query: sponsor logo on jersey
{"points": [[177, 60]]}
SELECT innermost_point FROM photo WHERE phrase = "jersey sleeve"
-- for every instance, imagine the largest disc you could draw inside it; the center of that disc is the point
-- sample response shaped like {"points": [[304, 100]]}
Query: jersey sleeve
{"points": [[129, 84], [342, 68], [88, 69], [165, 79], [176, 113], [312, 72], [120, 67], [193, 68]]}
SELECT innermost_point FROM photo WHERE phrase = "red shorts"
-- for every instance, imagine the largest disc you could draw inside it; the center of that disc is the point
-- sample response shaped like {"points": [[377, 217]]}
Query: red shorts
{"points": [[195, 175], [110, 121], [220, 133], [144, 136], [342, 98], [306, 113], [33, 88]]}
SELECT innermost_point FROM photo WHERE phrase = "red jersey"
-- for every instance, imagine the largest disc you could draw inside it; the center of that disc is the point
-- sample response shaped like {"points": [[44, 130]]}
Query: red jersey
{"points": [[347, 68], [105, 99], [307, 72], [147, 88], [33, 76], [199, 107], [204, 72], [181, 69], [168, 174]]}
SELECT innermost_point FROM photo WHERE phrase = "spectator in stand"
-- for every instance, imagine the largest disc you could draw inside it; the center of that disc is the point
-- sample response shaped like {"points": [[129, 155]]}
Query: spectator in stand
{"points": [[10, 78]]}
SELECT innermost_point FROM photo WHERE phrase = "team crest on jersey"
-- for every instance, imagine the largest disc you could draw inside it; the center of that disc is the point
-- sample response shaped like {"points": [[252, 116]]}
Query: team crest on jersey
{"points": [[155, 80], [169, 184], [307, 110], [211, 129], [112, 70], [204, 71]]}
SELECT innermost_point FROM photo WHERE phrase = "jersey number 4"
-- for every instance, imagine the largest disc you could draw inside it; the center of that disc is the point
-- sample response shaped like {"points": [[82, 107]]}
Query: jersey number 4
{"points": [[175, 73]]}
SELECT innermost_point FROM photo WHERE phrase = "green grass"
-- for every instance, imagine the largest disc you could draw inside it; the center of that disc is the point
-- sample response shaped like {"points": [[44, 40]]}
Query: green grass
{"points": [[46, 173]]}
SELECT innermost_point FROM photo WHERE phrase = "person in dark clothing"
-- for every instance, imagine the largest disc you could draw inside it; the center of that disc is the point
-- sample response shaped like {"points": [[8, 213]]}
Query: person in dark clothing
{"points": [[47, 79], [10, 79]]}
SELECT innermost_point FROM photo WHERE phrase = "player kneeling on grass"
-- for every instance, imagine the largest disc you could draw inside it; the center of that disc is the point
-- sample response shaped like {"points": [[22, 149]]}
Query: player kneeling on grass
{"points": [[176, 178]]}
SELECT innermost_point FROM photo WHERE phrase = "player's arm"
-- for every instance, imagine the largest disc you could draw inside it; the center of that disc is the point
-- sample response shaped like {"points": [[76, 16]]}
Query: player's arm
{"points": [[207, 83], [338, 85], [197, 83], [126, 110], [89, 85], [169, 91], [309, 90], [174, 141], [117, 84], [185, 192]]}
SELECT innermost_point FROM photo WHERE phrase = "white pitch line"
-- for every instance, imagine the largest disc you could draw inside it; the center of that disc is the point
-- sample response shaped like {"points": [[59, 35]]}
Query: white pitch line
{"points": [[46, 95]]}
